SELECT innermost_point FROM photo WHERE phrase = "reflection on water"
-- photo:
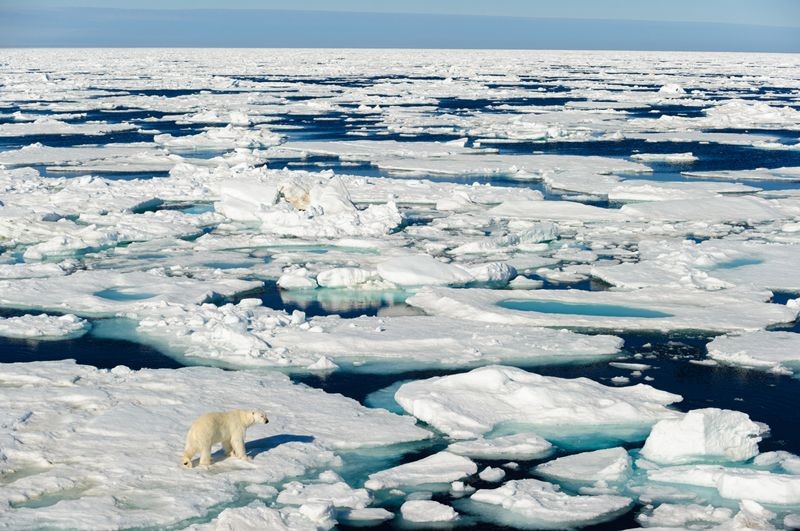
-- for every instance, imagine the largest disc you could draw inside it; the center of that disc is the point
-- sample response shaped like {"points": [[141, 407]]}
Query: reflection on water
{"points": [[347, 303]]}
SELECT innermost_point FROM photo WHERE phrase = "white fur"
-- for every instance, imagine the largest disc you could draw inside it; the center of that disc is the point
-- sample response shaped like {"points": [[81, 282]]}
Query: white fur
{"points": [[226, 427]]}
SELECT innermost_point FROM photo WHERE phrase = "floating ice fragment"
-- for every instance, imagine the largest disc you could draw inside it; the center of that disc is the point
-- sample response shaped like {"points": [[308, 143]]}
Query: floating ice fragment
{"points": [[608, 465], [44, 327], [443, 467], [522, 446], [468, 405], [703, 435], [422, 511], [773, 351], [530, 503]]}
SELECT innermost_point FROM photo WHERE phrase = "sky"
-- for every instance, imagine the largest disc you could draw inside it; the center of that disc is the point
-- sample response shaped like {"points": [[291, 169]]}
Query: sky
{"points": [[718, 25]]}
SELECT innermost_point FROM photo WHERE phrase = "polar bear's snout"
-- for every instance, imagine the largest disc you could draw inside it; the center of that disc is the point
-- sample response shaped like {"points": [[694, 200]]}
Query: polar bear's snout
{"points": [[259, 417]]}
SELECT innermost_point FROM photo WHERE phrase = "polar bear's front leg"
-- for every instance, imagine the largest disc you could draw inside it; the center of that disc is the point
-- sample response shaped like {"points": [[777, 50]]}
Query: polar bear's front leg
{"points": [[226, 446], [237, 442]]}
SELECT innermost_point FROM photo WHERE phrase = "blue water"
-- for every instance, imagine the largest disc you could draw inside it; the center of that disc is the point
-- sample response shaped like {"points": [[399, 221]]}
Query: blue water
{"points": [[569, 308]]}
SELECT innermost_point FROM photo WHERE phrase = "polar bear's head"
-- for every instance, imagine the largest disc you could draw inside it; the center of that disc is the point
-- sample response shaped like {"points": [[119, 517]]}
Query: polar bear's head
{"points": [[258, 417]]}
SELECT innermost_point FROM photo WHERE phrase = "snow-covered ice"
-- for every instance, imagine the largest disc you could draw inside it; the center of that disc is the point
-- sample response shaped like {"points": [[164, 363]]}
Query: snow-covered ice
{"points": [[109, 441], [468, 405], [422, 511], [607, 465], [44, 326], [443, 467], [772, 351], [537, 504]]}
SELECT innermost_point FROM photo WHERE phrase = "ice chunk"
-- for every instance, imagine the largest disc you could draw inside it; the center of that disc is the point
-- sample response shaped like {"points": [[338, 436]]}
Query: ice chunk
{"points": [[344, 277], [703, 435], [442, 467], [684, 516], [533, 503], [422, 511], [468, 405], [609, 465], [338, 494], [671, 158], [422, 270], [44, 327], [256, 517], [492, 474], [790, 463], [522, 446]]}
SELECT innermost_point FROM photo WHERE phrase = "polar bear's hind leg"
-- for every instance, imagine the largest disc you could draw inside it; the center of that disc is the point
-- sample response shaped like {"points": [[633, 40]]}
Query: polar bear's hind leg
{"points": [[205, 456], [227, 447]]}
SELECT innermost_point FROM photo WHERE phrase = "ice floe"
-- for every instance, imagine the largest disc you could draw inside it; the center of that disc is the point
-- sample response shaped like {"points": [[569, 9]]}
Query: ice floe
{"points": [[443, 467], [531, 504], [422, 511], [643, 309], [44, 326], [471, 404], [609, 465], [734, 483], [522, 446], [75, 435]]}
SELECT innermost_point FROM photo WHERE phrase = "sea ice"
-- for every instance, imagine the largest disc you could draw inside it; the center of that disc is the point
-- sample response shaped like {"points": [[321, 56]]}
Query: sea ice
{"points": [[532, 503], [443, 467], [645, 309], [421, 511], [734, 483], [607, 465], [76, 435], [773, 351], [709, 434], [471, 404], [522, 446], [44, 327]]}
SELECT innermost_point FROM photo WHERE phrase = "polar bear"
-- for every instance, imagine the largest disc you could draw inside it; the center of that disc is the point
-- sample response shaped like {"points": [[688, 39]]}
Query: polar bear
{"points": [[227, 427]]}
